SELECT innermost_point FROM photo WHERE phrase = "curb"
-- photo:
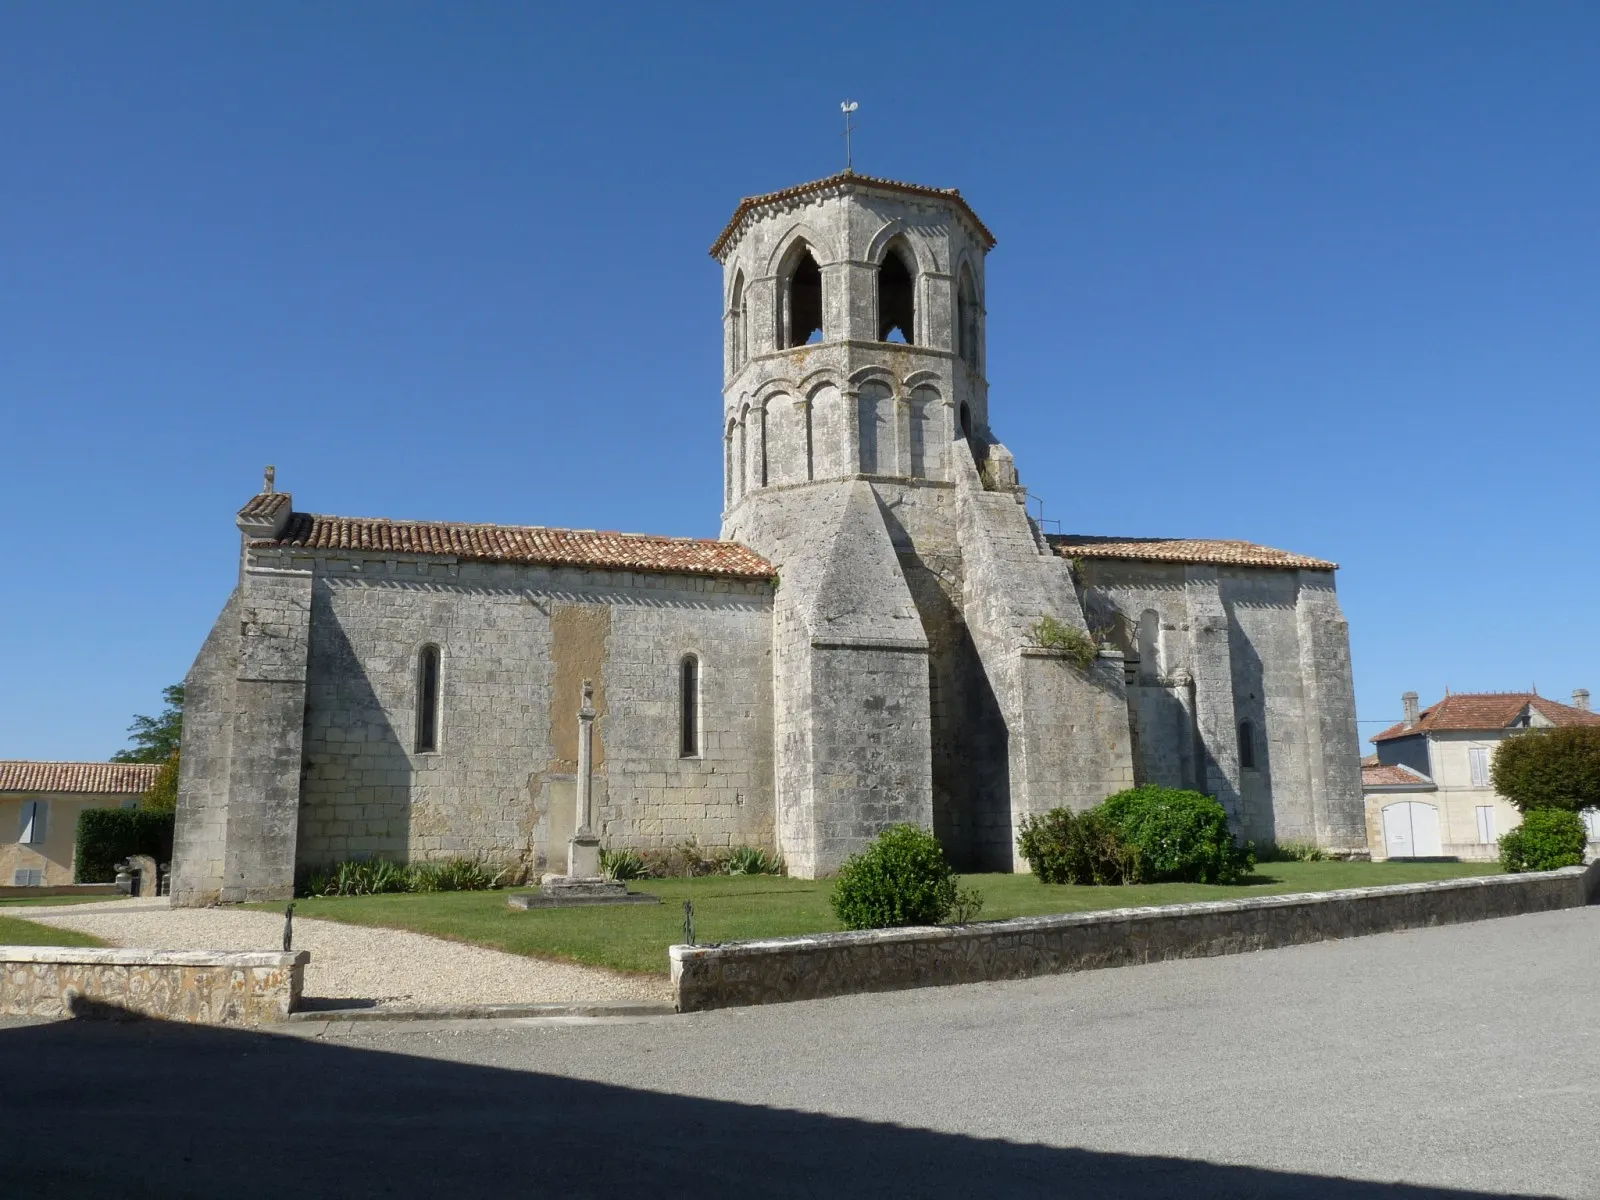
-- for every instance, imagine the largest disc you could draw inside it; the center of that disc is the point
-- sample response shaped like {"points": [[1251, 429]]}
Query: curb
{"points": [[490, 1012]]}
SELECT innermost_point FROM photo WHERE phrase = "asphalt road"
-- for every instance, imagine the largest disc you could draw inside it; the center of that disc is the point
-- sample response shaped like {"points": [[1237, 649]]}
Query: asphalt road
{"points": [[1443, 1062]]}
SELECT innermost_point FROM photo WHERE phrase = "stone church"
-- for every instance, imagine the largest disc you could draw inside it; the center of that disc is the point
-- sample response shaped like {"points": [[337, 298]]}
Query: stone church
{"points": [[880, 634]]}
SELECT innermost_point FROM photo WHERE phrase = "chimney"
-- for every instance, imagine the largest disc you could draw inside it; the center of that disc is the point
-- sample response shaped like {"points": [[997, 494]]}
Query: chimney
{"points": [[1580, 699], [1410, 701]]}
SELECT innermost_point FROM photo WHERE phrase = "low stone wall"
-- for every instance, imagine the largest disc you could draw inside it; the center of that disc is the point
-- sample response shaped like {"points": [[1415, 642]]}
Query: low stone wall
{"points": [[201, 987], [838, 964], [108, 890]]}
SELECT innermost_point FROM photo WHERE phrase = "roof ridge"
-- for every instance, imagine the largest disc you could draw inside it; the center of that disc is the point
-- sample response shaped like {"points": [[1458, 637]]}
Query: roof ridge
{"points": [[658, 537], [544, 545], [1221, 551]]}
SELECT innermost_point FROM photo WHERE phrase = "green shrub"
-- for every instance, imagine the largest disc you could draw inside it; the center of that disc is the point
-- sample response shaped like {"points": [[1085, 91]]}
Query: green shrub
{"points": [[1180, 836], [753, 860], [1077, 645], [686, 858], [106, 836], [1083, 848], [1550, 768], [376, 877], [1547, 839], [902, 878], [1291, 852], [622, 864]]}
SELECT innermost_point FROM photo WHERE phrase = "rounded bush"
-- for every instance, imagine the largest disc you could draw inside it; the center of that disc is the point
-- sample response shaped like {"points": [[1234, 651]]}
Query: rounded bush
{"points": [[1084, 848], [901, 879], [1547, 839], [1178, 836]]}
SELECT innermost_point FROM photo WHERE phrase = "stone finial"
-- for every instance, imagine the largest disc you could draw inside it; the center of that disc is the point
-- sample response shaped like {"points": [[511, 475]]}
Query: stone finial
{"points": [[1580, 699], [1412, 712], [587, 708], [269, 483]]}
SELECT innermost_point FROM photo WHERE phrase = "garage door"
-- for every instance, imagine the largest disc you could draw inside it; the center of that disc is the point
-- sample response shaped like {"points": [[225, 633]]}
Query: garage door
{"points": [[1411, 830]]}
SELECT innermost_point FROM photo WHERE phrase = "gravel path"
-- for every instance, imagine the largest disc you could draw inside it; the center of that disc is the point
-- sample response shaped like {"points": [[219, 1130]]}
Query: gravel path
{"points": [[355, 961]]}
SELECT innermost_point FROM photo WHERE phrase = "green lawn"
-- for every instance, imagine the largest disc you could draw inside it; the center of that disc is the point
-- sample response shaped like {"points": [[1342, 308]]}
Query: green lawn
{"points": [[50, 901], [15, 932], [636, 937]]}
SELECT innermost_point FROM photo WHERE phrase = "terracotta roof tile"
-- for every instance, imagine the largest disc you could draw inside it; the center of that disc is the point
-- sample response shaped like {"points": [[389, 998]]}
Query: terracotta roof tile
{"points": [[263, 506], [89, 778], [1378, 775], [751, 203], [532, 544], [1487, 711], [1184, 550]]}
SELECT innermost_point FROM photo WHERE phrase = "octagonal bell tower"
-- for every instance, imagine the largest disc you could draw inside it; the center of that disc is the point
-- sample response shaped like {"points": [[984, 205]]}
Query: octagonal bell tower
{"points": [[859, 460], [853, 335]]}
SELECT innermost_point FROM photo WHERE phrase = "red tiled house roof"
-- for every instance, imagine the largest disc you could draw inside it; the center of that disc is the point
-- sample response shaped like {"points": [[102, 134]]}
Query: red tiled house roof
{"points": [[750, 203], [1487, 712], [1222, 552], [1375, 775], [87, 778], [530, 544]]}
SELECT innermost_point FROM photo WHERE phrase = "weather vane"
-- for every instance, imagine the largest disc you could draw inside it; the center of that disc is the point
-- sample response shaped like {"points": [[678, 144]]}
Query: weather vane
{"points": [[848, 107]]}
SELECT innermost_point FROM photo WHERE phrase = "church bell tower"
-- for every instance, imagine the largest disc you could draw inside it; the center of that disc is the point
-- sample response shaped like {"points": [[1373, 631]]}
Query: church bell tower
{"points": [[858, 459], [853, 335]]}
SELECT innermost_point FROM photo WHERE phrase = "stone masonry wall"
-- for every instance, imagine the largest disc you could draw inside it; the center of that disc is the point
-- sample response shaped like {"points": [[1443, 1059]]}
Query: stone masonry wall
{"points": [[515, 643], [1240, 644]]}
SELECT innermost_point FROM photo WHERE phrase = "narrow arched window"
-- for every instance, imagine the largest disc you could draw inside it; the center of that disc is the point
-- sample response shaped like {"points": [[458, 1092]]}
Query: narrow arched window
{"points": [[802, 300], [966, 422], [897, 299], [689, 707], [428, 700], [738, 336], [967, 320], [1247, 746]]}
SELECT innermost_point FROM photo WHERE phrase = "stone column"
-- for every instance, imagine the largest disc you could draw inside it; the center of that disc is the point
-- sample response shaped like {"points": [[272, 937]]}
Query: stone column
{"points": [[852, 429], [583, 850], [902, 435], [802, 417], [756, 468]]}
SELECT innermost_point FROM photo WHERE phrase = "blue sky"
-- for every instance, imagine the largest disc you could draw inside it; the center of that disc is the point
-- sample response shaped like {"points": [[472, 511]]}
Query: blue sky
{"points": [[1321, 276]]}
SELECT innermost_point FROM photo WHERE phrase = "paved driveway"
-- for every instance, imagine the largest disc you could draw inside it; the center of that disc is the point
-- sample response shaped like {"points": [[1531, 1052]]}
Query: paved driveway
{"points": [[1430, 1063]]}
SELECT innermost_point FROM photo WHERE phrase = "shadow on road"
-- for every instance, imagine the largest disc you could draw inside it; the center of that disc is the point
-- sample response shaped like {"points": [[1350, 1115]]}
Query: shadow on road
{"points": [[150, 1109]]}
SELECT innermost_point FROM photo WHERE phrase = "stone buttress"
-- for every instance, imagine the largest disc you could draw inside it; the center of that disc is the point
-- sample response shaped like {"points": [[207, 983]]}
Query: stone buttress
{"points": [[245, 700]]}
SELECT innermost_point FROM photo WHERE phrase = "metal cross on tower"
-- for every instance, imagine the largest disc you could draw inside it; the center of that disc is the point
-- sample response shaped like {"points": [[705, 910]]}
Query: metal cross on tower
{"points": [[848, 107]]}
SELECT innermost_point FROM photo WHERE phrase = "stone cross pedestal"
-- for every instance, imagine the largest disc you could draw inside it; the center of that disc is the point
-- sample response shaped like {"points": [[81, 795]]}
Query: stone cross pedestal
{"points": [[583, 883], [583, 848]]}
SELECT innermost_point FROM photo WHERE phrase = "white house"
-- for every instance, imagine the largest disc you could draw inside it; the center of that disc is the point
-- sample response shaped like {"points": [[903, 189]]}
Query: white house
{"points": [[1427, 789]]}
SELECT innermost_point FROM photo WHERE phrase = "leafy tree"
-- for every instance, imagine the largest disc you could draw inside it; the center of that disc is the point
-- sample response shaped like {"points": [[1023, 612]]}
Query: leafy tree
{"points": [[1550, 768], [155, 739], [162, 795]]}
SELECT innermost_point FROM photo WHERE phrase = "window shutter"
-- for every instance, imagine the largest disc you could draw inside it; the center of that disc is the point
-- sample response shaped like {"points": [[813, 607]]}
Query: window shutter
{"points": [[29, 809], [41, 820], [1486, 824], [1478, 760]]}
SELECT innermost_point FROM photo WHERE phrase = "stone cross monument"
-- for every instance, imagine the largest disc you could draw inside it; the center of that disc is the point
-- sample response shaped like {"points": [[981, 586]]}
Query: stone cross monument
{"points": [[583, 849]]}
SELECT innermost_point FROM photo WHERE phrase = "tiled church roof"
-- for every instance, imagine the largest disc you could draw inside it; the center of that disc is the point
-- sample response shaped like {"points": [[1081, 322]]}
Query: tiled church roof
{"points": [[1487, 711], [1183, 550], [750, 203], [103, 778], [532, 544]]}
